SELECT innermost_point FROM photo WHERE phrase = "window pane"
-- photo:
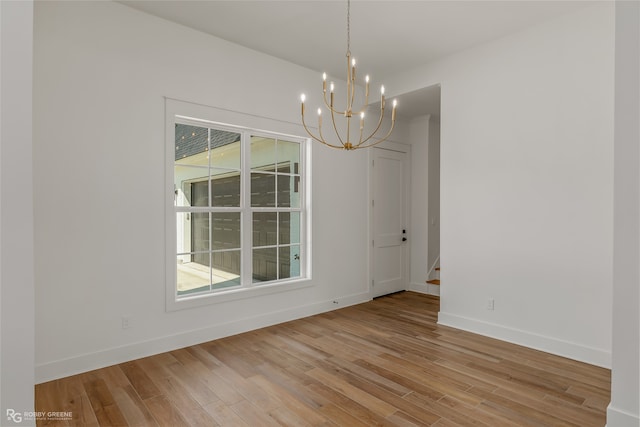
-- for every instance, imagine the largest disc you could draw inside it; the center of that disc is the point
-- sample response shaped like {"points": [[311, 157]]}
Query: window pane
{"points": [[192, 276], [288, 156], [226, 230], [191, 145], [192, 232], [190, 185], [263, 190], [265, 263], [225, 188], [225, 149], [288, 191], [225, 269], [198, 193], [199, 232], [289, 223], [265, 229], [263, 153], [289, 262]]}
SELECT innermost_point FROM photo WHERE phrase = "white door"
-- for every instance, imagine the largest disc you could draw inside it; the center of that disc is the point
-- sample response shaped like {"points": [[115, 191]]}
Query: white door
{"points": [[390, 236]]}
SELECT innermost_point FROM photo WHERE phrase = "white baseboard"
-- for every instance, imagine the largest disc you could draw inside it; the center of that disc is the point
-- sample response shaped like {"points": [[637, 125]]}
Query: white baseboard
{"points": [[547, 344], [425, 288], [619, 418], [111, 356]]}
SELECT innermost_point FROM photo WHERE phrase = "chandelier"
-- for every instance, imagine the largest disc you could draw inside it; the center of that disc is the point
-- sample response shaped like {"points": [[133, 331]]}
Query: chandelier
{"points": [[364, 140]]}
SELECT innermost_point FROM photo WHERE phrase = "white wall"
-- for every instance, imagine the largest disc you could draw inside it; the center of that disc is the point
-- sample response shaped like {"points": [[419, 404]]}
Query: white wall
{"points": [[624, 408], [419, 231], [527, 184], [434, 191], [101, 72], [424, 137], [16, 212]]}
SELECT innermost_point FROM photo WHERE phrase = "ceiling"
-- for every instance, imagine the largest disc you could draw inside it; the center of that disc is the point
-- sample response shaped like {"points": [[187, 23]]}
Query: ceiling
{"points": [[386, 36]]}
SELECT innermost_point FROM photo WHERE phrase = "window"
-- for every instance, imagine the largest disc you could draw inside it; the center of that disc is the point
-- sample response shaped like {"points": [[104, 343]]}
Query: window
{"points": [[275, 203], [239, 209]]}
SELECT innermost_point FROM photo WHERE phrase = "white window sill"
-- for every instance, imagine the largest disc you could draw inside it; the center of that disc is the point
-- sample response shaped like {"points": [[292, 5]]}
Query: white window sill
{"points": [[174, 304]]}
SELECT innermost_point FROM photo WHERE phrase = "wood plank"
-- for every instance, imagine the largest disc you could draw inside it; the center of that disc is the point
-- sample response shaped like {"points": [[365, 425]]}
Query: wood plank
{"points": [[577, 414], [50, 400], [340, 417], [384, 395], [348, 405], [253, 415], [370, 402], [246, 389], [133, 408], [474, 412], [140, 380], [523, 412], [303, 412], [197, 389], [104, 406], [165, 413], [401, 419], [371, 376], [224, 415], [295, 382]]}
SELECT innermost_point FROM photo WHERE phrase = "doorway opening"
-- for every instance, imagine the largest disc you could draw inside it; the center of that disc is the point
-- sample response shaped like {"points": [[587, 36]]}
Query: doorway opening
{"points": [[421, 251]]}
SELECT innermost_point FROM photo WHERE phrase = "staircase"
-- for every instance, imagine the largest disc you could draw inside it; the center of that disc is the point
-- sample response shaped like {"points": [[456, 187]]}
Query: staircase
{"points": [[434, 284], [435, 281]]}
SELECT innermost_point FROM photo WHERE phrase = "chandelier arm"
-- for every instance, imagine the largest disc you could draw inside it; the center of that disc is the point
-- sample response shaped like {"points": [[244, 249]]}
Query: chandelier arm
{"points": [[353, 94], [326, 103], [329, 145], [378, 141], [304, 124], [366, 96], [348, 107], [324, 141], [319, 139], [376, 129], [352, 76], [351, 83], [335, 128]]}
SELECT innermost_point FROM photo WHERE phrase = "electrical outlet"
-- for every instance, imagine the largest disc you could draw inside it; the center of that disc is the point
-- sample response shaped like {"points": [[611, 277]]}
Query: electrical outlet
{"points": [[126, 322], [490, 304]]}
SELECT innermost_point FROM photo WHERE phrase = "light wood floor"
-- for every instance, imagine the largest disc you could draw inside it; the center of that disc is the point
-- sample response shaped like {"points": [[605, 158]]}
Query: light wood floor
{"points": [[385, 362]]}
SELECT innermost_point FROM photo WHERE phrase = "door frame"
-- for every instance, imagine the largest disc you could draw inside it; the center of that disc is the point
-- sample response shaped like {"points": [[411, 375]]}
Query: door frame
{"points": [[402, 148]]}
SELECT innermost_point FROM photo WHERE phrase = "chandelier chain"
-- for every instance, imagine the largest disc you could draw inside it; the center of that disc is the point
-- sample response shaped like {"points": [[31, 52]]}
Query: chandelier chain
{"points": [[348, 27]]}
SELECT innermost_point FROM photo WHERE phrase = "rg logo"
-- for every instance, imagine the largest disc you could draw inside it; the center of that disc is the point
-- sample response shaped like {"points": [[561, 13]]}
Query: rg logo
{"points": [[14, 416]]}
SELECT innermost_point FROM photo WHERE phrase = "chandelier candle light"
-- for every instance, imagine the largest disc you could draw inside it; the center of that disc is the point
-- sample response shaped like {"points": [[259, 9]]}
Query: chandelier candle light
{"points": [[345, 142]]}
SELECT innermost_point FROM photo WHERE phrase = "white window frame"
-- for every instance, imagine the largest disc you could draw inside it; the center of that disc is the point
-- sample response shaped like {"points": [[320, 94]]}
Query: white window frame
{"points": [[247, 125]]}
